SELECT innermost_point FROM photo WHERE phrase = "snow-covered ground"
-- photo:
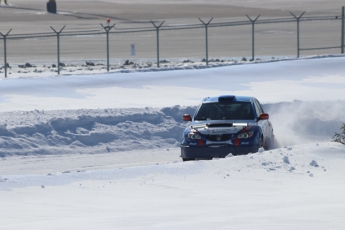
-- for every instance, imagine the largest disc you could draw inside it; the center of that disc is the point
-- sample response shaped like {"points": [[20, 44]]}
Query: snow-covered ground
{"points": [[100, 150]]}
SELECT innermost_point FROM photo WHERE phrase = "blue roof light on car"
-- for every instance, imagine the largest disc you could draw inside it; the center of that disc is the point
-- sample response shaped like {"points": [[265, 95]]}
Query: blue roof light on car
{"points": [[226, 98]]}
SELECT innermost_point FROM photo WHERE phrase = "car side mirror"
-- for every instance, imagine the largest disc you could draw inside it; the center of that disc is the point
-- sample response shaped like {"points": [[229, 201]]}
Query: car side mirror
{"points": [[186, 117], [263, 116]]}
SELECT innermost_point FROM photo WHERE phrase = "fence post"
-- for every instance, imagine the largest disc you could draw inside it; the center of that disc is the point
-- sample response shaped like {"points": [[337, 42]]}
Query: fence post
{"points": [[297, 19], [107, 29], [342, 30], [58, 46], [5, 51], [157, 39], [253, 22], [206, 36]]}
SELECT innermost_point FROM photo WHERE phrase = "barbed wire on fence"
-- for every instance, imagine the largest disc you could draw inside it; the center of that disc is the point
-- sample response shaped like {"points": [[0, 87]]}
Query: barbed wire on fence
{"points": [[106, 30], [169, 27]]}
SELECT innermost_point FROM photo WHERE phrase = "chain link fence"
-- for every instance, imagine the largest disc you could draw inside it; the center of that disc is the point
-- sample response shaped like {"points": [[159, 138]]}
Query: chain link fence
{"points": [[256, 37]]}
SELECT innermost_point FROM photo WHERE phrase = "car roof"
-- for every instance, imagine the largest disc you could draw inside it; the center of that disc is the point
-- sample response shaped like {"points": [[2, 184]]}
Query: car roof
{"points": [[227, 98]]}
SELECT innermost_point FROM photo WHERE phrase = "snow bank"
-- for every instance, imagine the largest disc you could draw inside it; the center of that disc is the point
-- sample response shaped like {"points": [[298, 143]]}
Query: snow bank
{"points": [[89, 131], [113, 130], [91, 68]]}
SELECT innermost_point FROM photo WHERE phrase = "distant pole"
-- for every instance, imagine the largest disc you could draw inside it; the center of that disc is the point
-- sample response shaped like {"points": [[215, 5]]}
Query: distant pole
{"points": [[253, 32], [206, 36], [51, 6], [58, 46], [297, 19], [107, 29], [157, 39], [342, 30], [5, 51]]}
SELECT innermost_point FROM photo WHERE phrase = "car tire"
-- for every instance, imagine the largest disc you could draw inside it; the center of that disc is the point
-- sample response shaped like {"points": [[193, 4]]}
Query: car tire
{"points": [[270, 143], [261, 144]]}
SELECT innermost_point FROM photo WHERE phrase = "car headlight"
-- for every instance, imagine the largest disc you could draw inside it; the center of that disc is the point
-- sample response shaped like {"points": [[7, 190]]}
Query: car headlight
{"points": [[194, 135], [245, 135]]}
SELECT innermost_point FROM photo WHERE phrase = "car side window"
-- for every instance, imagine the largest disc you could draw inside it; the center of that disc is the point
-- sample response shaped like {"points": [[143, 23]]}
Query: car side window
{"points": [[258, 108]]}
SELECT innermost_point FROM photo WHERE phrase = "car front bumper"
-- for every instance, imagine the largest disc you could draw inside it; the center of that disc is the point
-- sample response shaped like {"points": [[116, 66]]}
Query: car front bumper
{"points": [[216, 152]]}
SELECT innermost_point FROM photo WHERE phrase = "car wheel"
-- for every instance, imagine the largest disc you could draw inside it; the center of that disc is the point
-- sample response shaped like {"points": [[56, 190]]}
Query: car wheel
{"points": [[270, 142], [188, 159], [261, 143]]}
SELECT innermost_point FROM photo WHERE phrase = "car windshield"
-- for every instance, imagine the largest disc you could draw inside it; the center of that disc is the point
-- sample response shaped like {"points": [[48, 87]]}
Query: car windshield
{"points": [[225, 111]]}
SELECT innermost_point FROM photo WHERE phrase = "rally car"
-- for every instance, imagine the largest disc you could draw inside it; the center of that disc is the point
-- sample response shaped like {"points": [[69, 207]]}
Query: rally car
{"points": [[226, 125]]}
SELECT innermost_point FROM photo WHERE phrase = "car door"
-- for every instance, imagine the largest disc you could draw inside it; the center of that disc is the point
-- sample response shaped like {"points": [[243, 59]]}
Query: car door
{"points": [[264, 124]]}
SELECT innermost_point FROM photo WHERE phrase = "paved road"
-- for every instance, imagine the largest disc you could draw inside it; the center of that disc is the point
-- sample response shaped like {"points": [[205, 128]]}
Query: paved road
{"points": [[232, 42]]}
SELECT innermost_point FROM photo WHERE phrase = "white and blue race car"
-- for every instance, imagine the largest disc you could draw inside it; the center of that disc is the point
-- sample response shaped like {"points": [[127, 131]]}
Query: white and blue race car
{"points": [[226, 125]]}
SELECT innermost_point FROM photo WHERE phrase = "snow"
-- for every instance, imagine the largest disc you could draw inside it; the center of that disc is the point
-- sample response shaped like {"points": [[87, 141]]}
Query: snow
{"points": [[101, 150]]}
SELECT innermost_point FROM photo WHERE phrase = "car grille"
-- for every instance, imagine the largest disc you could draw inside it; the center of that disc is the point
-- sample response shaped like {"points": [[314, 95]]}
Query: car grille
{"points": [[219, 137]]}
